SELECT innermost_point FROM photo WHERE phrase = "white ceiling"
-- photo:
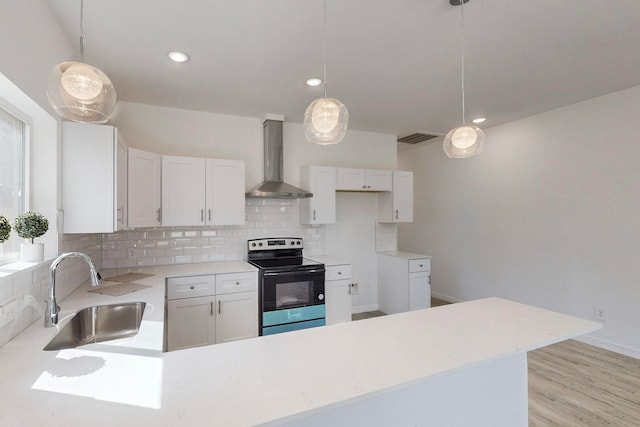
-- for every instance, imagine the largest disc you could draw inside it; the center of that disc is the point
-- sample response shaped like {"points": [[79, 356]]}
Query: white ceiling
{"points": [[395, 64]]}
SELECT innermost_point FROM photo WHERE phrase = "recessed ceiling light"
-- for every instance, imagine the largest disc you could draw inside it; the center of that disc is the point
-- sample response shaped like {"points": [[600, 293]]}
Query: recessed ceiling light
{"points": [[176, 56], [314, 82], [479, 120]]}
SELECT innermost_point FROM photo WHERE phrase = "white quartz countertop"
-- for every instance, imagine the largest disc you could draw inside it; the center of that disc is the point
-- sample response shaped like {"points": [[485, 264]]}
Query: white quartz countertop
{"points": [[403, 254], [255, 381], [329, 261]]}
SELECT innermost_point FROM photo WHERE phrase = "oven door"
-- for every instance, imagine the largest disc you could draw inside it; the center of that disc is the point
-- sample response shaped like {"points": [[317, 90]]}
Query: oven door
{"points": [[292, 300]]}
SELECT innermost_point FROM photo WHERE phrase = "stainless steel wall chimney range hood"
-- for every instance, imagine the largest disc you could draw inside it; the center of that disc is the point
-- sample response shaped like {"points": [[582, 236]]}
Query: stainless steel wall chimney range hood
{"points": [[273, 186]]}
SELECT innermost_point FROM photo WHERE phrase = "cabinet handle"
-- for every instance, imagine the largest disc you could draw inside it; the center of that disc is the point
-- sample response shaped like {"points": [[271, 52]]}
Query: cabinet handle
{"points": [[339, 273], [209, 214], [201, 215], [364, 186], [349, 290], [396, 213], [314, 214], [118, 216], [212, 308], [429, 279], [219, 307], [192, 287], [159, 215], [237, 283], [368, 186], [421, 265]]}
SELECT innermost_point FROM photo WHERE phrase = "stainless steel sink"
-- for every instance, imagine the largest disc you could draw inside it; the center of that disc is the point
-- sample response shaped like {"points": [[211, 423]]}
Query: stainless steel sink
{"points": [[98, 324]]}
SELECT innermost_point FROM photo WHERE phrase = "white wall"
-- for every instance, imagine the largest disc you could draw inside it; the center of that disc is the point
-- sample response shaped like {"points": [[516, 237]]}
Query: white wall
{"points": [[547, 215]]}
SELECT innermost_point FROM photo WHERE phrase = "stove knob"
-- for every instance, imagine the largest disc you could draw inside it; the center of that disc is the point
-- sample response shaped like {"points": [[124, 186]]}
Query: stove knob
{"points": [[253, 245], [260, 244], [299, 242], [293, 243], [321, 297]]}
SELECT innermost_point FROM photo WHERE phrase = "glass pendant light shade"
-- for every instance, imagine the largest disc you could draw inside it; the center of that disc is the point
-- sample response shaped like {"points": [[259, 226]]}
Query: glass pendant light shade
{"points": [[325, 121], [464, 141], [81, 93]]}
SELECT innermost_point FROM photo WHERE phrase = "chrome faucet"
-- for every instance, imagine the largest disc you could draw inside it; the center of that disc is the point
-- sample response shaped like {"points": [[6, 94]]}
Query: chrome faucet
{"points": [[52, 309]]}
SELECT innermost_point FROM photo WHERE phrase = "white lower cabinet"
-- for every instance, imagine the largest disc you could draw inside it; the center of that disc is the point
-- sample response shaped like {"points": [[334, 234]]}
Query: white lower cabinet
{"points": [[237, 316], [337, 290], [190, 322], [193, 319], [404, 282]]}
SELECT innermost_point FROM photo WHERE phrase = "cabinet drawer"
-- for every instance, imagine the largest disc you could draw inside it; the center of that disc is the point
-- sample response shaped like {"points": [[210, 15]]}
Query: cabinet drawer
{"points": [[236, 282], [419, 265], [338, 272], [190, 287]]}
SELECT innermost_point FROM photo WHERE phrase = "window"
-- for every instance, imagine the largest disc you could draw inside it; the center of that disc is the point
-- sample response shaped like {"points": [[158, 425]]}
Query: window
{"points": [[13, 133]]}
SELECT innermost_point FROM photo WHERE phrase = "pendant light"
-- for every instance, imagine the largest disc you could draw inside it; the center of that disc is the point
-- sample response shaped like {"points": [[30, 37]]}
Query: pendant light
{"points": [[81, 92], [326, 119], [463, 141]]}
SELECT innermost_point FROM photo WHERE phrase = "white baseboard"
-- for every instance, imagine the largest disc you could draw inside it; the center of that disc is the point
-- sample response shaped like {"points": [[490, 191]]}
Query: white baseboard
{"points": [[446, 298], [608, 345], [364, 308]]}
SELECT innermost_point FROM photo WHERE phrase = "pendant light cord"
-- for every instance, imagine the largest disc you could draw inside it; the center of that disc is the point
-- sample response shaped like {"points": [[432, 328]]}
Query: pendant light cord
{"points": [[82, 30], [324, 44], [462, 55]]}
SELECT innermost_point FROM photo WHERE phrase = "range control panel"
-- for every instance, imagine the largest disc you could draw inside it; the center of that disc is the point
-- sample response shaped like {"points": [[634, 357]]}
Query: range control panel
{"points": [[274, 243]]}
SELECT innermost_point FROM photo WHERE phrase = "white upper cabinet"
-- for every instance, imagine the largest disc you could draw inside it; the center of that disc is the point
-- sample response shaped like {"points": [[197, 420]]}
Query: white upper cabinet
{"points": [[199, 191], [183, 191], [321, 208], [144, 189], [363, 180], [94, 178], [397, 206], [225, 192]]}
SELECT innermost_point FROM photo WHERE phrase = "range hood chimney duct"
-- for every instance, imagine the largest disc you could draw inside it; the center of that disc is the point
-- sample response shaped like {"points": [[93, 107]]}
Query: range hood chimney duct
{"points": [[273, 186]]}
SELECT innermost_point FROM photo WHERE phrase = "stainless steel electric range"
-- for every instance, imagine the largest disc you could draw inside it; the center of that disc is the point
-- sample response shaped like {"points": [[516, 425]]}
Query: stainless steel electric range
{"points": [[291, 288]]}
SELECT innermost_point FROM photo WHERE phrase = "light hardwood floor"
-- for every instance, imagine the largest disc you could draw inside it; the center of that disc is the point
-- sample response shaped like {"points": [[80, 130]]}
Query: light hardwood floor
{"points": [[572, 384], [575, 384]]}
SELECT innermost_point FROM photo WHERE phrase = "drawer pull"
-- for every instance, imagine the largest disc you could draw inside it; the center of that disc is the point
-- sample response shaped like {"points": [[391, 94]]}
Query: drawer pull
{"points": [[237, 283], [192, 287], [421, 265], [339, 273]]}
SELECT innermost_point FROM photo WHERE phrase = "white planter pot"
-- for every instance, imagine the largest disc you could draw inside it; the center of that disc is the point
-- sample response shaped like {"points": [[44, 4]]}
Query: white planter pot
{"points": [[31, 252]]}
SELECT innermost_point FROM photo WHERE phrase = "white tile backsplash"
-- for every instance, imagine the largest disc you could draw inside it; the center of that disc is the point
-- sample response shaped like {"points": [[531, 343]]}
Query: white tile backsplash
{"points": [[179, 245]]}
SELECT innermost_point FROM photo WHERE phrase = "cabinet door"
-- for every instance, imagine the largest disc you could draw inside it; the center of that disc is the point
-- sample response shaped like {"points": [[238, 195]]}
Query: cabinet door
{"points": [[378, 180], [191, 322], [321, 208], [403, 196], [338, 301], [419, 290], [143, 189], [225, 192], [351, 179], [121, 183], [89, 184], [183, 191], [236, 316]]}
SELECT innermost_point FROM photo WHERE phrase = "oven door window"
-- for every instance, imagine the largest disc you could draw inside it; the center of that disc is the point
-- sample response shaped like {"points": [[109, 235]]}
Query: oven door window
{"points": [[294, 294]]}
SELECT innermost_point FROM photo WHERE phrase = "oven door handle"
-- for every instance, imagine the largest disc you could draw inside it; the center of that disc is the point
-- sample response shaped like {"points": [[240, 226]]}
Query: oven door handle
{"points": [[282, 273]]}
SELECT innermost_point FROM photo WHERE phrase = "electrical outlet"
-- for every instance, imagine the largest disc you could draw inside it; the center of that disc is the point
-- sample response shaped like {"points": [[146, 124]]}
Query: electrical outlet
{"points": [[600, 312], [353, 288]]}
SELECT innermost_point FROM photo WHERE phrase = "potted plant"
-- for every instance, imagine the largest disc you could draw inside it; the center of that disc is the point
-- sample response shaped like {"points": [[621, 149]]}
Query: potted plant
{"points": [[29, 226], [5, 230]]}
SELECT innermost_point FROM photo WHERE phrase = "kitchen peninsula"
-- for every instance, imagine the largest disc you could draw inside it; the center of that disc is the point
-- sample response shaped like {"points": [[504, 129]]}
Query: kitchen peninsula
{"points": [[462, 364]]}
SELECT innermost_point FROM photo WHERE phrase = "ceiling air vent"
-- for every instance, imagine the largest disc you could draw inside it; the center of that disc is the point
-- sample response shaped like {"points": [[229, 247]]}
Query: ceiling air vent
{"points": [[415, 138]]}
